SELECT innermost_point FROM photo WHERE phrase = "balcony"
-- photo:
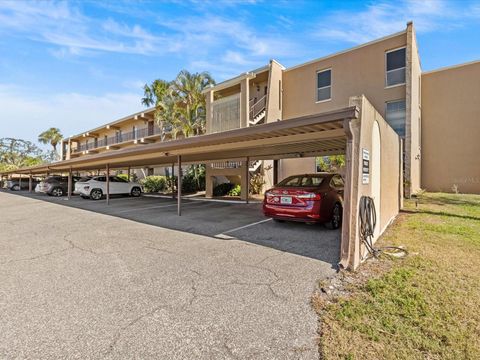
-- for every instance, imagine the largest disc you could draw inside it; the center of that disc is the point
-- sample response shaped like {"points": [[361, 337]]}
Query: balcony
{"points": [[117, 139], [226, 112]]}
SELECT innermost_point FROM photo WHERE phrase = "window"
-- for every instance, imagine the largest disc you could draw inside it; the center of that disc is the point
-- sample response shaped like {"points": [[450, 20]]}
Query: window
{"points": [[395, 67], [119, 179], [302, 181], [324, 85], [395, 112]]}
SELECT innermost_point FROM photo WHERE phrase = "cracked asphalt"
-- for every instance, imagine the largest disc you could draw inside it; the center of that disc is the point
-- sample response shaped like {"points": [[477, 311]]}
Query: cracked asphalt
{"points": [[85, 284]]}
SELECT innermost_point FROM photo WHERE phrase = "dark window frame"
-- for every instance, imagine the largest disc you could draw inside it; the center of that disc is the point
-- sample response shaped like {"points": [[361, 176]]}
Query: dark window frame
{"points": [[387, 70], [324, 86]]}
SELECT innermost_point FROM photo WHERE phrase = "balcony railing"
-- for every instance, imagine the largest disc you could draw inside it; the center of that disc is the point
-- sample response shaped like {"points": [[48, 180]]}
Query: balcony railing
{"points": [[226, 113], [118, 138], [233, 164]]}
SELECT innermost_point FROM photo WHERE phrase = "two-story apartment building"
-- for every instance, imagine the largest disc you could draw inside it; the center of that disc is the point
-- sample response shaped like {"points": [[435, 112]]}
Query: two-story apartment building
{"points": [[387, 71], [133, 130], [435, 113]]}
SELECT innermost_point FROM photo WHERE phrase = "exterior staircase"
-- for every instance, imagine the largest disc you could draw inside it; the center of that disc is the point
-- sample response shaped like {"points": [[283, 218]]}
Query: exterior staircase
{"points": [[260, 118], [258, 111], [254, 165]]}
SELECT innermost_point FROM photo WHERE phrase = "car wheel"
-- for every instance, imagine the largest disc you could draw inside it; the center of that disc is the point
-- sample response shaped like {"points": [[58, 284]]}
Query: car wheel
{"points": [[57, 192], [16, 187], [136, 191], [96, 194], [336, 221]]}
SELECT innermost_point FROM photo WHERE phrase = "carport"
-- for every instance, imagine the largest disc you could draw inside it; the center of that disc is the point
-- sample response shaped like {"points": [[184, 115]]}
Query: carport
{"points": [[372, 149]]}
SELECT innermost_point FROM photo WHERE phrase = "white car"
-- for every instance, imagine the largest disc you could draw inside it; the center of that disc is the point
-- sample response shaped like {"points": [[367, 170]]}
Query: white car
{"points": [[96, 186]]}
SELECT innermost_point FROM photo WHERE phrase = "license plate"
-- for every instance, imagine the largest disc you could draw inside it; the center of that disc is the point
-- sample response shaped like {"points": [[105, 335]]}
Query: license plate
{"points": [[286, 200]]}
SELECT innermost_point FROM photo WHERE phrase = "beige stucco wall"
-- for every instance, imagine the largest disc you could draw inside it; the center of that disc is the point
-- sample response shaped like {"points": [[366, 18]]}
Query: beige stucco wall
{"points": [[359, 71], [413, 115], [274, 98], [451, 129], [391, 193], [288, 167]]}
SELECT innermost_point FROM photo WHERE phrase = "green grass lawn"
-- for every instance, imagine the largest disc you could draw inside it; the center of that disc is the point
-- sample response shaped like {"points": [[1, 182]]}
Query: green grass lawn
{"points": [[426, 306]]}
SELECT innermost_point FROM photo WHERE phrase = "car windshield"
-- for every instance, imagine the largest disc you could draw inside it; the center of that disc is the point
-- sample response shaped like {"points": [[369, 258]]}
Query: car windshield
{"points": [[302, 181], [84, 179]]}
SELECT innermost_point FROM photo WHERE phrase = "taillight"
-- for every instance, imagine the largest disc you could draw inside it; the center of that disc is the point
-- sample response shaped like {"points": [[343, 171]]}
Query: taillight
{"points": [[270, 197], [309, 196], [86, 187]]}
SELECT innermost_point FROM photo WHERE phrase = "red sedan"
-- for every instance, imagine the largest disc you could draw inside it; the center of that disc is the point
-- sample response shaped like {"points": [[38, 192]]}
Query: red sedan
{"points": [[309, 198]]}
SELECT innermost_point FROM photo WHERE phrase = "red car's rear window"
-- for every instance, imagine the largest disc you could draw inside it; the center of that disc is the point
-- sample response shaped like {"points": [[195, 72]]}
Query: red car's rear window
{"points": [[302, 181]]}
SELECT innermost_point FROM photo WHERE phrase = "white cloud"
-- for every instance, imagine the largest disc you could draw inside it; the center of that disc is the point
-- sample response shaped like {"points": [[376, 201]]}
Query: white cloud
{"points": [[60, 24], [384, 18], [71, 112], [225, 41]]}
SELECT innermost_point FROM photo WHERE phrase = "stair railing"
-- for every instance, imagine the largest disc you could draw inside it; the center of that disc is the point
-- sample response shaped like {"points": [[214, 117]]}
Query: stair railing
{"points": [[258, 107]]}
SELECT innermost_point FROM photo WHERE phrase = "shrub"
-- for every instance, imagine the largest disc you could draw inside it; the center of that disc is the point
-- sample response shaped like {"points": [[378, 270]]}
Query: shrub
{"points": [[154, 183], [235, 191], [222, 189], [189, 184], [170, 183], [198, 174], [257, 181]]}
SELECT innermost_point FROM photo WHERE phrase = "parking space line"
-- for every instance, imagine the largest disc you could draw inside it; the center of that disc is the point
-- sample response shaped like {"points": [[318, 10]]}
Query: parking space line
{"points": [[149, 207], [224, 235]]}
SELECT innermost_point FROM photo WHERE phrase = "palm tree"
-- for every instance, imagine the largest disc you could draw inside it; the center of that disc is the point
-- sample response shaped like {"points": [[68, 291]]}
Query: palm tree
{"points": [[51, 136], [154, 95], [155, 92], [180, 104], [191, 114]]}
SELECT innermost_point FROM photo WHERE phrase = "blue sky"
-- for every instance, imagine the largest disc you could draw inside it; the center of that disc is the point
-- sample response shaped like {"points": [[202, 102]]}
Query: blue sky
{"points": [[77, 64]]}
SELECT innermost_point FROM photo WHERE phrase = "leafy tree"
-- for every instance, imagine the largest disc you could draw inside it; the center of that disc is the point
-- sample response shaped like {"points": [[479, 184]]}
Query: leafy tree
{"points": [[191, 107], [51, 136], [180, 104], [155, 94], [332, 163], [16, 153]]}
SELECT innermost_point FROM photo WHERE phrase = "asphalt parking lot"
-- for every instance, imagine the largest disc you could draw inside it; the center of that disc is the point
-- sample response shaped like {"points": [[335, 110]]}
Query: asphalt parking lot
{"points": [[134, 280]]}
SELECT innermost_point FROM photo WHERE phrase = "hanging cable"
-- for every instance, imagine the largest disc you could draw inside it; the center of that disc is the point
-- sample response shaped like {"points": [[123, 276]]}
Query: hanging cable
{"points": [[368, 222]]}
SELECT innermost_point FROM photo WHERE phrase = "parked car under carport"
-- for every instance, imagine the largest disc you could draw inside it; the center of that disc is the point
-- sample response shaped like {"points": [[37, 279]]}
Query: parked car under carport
{"points": [[95, 187], [56, 185], [17, 184]]}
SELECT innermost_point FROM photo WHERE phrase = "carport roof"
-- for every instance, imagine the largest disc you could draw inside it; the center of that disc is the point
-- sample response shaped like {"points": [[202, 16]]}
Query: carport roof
{"points": [[313, 135]]}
